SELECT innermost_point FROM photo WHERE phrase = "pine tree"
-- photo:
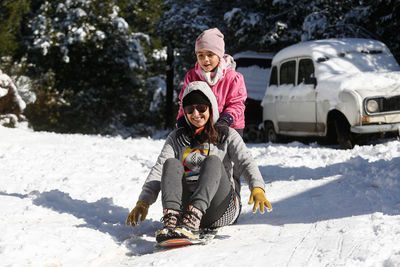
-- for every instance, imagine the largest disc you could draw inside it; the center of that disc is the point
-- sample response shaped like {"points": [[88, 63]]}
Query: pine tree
{"points": [[383, 18], [180, 24], [178, 27], [11, 16], [10, 22], [141, 16], [246, 24], [96, 66]]}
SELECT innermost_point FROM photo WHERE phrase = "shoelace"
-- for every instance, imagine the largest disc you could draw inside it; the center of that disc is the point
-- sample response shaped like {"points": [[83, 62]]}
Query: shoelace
{"points": [[169, 220], [190, 218]]}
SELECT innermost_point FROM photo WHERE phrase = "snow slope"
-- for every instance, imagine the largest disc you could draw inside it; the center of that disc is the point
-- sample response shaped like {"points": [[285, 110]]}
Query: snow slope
{"points": [[64, 200]]}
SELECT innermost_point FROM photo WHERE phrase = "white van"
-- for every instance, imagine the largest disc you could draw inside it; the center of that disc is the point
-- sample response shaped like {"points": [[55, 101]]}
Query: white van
{"points": [[341, 89]]}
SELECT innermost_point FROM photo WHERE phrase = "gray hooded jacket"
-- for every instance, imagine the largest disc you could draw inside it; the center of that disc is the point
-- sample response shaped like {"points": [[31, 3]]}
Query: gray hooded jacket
{"points": [[232, 151]]}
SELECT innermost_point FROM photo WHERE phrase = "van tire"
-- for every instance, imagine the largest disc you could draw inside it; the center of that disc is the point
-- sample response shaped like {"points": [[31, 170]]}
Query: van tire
{"points": [[345, 138], [252, 134], [270, 134]]}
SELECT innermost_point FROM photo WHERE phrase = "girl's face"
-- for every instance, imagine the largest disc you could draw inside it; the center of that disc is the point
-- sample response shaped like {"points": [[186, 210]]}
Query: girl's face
{"points": [[197, 115], [208, 60]]}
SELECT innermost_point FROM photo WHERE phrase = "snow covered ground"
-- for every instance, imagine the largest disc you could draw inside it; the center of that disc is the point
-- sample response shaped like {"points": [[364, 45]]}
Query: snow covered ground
{"points": [[64, 200]]}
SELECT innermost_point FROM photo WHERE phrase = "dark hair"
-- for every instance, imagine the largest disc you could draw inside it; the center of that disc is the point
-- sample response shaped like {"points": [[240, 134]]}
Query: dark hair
{"points": [[209, 133]]}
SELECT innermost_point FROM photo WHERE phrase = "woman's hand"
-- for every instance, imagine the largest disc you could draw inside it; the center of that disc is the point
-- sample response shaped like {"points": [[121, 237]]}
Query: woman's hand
{"points": [[141, 209], [259, 199]]}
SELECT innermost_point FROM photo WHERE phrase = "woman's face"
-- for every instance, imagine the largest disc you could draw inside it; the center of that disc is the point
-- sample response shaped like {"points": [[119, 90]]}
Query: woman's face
{"points": [[197, 115], [208, 60]]}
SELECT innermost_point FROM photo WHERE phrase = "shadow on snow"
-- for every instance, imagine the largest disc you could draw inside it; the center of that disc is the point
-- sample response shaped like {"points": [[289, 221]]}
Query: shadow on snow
{"points": [[101, 215], [361, 187]]}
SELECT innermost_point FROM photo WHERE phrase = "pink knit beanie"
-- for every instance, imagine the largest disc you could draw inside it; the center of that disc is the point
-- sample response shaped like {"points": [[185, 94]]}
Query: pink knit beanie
{"points": [[211, 40]]}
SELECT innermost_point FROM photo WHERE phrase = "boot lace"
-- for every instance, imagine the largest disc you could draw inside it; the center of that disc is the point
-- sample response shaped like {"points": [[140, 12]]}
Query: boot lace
{"points": [[192, 218], [170, 220]]}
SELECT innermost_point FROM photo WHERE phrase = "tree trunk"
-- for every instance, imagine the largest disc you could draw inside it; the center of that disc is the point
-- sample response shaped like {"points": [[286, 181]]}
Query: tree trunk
{"points": [[169, 120]]}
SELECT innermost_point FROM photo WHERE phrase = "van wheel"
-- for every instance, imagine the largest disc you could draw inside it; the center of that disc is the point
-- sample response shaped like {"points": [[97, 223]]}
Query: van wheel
{"points": [[344, 137], [252, 134], [270, 134]]}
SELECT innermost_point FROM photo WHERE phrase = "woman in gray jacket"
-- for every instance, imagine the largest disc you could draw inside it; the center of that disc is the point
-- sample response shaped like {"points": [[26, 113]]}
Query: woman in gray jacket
{"points": [[194, 172]]}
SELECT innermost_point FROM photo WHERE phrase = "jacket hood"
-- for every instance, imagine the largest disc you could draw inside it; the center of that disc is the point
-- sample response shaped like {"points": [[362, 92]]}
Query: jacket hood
{"points": [[206, 90]]}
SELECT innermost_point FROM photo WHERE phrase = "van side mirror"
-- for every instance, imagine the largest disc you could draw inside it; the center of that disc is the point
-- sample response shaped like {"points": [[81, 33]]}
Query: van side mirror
{"points": [[311, 80]]}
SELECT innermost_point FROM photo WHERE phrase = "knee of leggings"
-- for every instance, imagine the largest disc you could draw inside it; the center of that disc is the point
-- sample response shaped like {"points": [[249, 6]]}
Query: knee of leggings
{"points": [[214, 158], [172, 161]]}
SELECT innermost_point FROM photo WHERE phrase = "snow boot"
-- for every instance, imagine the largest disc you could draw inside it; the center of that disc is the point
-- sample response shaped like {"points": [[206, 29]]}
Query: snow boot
{"points": [[170, 219], [190, 226]]}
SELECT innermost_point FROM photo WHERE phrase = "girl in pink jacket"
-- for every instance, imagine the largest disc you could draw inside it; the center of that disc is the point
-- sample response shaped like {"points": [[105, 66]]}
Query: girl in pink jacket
{"points": [[218, 70]]}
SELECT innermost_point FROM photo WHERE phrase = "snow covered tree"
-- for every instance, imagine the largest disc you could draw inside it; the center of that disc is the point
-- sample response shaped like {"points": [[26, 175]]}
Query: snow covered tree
{"points": [[270, 25], [389, 20], [178, 27], [290, 22], [327, 20], [91, 69], [381, 17], [246, 24], [95, 64], [141, 15]]}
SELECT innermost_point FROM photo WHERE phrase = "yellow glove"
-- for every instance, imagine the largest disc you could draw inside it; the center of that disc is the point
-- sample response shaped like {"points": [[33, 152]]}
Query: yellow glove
{"points": [[141, 209], [259, 199]]}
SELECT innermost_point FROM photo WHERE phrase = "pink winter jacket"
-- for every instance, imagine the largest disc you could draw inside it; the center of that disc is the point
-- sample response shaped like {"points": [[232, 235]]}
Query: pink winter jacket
{"points": [[230, 92]]}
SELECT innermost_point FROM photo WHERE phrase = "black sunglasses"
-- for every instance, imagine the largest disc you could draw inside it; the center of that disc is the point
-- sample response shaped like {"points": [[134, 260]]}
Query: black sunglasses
{"points": [[201, 108]]}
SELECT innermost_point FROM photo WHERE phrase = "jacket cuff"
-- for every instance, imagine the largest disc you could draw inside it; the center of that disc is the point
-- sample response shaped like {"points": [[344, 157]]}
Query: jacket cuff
{"points": [[257, 184], [225, 117]]}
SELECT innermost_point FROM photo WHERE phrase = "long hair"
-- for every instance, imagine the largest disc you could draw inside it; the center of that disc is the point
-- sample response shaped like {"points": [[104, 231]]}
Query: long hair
{"points": [[209, 134]]}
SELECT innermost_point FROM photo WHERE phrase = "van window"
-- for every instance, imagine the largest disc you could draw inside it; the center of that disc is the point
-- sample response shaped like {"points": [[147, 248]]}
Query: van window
{"points": [[287, 72], [306, 70], [274, 76]]}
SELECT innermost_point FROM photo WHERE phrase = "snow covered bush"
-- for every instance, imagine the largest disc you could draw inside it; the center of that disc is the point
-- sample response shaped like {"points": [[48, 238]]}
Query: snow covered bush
{"points": [[96, 63], [62, 24], [156, 86], [11, 103]]}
